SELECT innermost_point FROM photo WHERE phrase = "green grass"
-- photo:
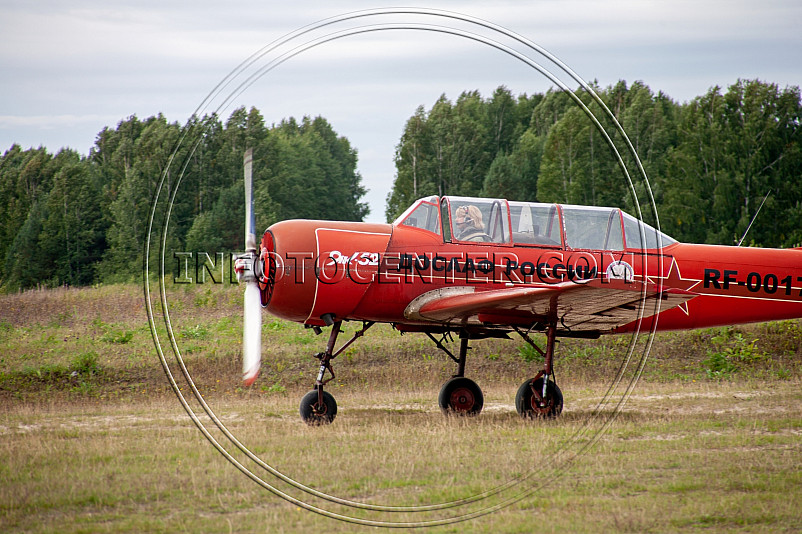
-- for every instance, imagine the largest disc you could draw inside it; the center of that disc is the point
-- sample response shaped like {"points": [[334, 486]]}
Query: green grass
{"points": [[92, 438]]}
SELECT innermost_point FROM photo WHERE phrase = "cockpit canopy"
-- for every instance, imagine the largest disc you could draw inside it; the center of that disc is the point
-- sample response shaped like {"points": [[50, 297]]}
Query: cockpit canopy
{"points": [[482, 220]]}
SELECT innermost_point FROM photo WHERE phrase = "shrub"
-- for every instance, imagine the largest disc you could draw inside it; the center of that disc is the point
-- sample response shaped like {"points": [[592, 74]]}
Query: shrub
{"points": [[86, 363], [724, 360]]}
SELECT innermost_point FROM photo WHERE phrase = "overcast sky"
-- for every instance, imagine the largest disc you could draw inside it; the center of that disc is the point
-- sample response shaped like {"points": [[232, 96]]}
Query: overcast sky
{"points": [[70, 68]]}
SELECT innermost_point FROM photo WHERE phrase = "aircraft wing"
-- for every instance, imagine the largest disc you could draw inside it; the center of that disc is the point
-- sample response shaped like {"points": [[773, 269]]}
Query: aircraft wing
{"points": [[596, 305]]}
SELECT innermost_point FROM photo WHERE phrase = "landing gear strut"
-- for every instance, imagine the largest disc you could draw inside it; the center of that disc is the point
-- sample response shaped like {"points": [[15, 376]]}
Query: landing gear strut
{"points": [[459, 395], [540, 396], [318, 406]]}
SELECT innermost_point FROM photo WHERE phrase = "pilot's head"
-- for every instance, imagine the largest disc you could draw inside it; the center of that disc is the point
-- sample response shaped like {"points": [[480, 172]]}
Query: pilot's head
{"points": [[467, 217]]}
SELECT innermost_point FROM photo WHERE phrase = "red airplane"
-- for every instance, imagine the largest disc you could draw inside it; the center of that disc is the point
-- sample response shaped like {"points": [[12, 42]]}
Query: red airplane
{"points": [[479, 268]]}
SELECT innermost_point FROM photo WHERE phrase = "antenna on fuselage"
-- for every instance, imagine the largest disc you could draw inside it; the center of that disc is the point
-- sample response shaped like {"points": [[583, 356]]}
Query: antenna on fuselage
{"points": [[753, 218]]}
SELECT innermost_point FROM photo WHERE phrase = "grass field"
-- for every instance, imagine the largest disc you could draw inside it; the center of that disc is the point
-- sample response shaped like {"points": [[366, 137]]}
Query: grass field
{"points": [[93, 439]]}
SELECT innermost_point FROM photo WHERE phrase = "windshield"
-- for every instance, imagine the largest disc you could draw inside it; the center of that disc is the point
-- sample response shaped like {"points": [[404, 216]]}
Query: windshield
{"points": [[641, 235], [424, 214]]}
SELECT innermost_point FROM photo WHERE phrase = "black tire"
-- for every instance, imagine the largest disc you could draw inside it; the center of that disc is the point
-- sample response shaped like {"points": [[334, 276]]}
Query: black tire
{"points": [[461, 396], [526, 403], [318, 415]]}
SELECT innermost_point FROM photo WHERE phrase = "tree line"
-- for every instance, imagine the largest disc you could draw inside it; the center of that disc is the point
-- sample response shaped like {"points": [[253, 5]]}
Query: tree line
{"points": [[710, 161], [70, 219]]}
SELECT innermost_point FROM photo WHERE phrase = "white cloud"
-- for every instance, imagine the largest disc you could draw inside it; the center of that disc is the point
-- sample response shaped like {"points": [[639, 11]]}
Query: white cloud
{"points": [[52, 122], [71, 68]]}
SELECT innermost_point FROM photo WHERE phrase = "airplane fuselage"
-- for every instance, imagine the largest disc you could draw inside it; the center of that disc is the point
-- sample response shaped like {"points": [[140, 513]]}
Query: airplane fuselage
{"points": [[485, 267], [372, 272]]}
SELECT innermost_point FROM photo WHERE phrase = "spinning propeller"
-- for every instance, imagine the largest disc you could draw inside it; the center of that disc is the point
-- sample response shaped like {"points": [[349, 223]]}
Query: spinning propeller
{"points": [[246, 273]]}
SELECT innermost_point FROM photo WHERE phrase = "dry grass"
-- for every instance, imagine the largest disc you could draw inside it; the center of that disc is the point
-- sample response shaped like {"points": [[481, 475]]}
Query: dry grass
{"points": [[107, 448], [715, 458]]}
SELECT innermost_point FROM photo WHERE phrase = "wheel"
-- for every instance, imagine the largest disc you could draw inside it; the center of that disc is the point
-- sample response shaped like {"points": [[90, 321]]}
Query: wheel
{"points": [[312, 414], [528, 405], [461, 396]]}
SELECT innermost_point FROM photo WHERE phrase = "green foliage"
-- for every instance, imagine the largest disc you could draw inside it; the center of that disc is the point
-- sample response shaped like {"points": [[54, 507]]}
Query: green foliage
{"points": [[25, 177], [25, 263], [117, 336], [314, 175], [710, 161], [219, 229], [275, 325], [718, 365], [730, 353], [72, 237], [86, 363], [205, 299], [112, 334], [529, 354], [450, 149], [274, 388], [74, 220], [198, 331], [144, 159]]}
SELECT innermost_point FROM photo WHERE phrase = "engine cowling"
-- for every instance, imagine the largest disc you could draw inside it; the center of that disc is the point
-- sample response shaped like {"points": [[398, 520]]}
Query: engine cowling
{"points": [[317, 268]]}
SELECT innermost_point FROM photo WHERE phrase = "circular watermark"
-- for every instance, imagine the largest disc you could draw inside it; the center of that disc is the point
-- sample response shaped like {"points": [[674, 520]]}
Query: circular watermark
{"points": [[257, 67]]}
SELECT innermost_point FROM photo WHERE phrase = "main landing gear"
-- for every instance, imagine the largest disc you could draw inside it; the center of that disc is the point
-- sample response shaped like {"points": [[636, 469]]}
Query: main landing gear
{"points": [[540, 396], [459, 395]]}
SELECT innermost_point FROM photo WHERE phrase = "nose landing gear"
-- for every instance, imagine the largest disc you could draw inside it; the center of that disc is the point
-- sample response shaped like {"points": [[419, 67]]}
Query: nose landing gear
{"points": [[318, 406]]}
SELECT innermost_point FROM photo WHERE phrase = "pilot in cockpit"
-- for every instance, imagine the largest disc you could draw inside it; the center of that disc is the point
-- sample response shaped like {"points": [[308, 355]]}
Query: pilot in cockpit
{"points": [[469, 224]]}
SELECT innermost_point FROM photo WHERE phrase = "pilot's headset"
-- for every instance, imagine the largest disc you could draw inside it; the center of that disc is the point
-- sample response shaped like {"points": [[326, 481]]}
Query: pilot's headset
{"points": [[472, 216]]}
